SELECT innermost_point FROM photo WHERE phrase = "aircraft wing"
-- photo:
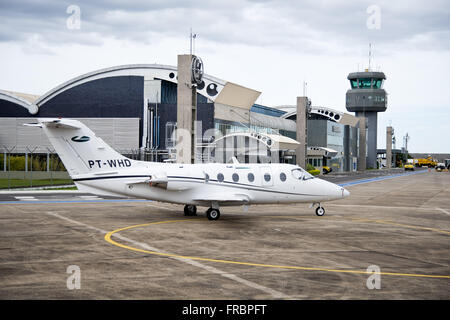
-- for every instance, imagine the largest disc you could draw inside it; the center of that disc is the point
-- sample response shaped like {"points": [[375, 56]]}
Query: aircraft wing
{"points": [[221, 198]]}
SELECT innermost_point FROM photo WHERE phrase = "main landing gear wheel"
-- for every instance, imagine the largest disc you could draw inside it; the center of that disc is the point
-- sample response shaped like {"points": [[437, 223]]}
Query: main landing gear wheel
{"points": [[190, 210], [320, 211], [213, 214]]}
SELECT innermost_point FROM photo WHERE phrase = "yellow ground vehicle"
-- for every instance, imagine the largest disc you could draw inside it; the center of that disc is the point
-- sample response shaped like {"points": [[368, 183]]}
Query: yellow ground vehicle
{"points": [[409, 166], [428, 161], [326, 169]]}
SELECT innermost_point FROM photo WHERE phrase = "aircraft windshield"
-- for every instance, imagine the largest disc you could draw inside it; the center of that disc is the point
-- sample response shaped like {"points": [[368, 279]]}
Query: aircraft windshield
{"points": [[301, 174], [308, 176]]}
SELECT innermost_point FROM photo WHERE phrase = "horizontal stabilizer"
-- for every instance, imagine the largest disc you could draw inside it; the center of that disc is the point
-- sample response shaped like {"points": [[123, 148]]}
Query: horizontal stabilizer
{"points": [[61, 123], [55, 123], [33, 125]]}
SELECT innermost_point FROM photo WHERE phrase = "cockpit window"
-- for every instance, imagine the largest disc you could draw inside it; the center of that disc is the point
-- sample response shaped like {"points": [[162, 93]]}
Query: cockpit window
{"points": [[307, 176], [301, 174], [297, 174]]}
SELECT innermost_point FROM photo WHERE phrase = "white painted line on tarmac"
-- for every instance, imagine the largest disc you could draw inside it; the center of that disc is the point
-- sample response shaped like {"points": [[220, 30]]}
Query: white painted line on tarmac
{"points": [[443, 210], [26, 198], [273, 293], [55, 214]]}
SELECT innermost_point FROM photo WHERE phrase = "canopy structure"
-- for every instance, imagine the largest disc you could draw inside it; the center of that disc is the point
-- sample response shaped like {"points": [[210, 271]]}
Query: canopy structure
{"points": [[272, 141], [262, 146], [322, 151], [21, 99]]}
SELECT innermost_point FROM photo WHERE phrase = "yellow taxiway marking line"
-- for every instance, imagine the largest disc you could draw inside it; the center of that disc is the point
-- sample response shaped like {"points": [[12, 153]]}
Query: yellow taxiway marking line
{"points": [[111, 233]]}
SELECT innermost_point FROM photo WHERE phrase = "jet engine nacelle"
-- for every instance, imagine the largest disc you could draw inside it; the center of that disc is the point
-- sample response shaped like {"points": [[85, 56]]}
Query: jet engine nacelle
{"points": [[160, 180]]}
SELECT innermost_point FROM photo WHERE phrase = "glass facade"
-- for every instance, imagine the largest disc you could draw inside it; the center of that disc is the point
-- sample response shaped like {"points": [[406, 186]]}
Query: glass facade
{"points": [[335, 141], [169, 93], [316, 162], [228, 127], [266, 110]]}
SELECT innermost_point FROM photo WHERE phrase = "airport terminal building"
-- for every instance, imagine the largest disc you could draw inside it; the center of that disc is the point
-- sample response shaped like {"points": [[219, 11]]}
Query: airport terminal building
{"points": [[134, 109]]}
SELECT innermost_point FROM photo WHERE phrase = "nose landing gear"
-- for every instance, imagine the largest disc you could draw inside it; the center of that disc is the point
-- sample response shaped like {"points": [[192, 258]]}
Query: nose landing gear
{"points": [[320, 211]]}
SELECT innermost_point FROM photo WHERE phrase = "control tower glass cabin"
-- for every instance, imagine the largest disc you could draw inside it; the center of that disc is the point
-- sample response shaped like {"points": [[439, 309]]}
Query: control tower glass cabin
{"points": [[366, 98]]}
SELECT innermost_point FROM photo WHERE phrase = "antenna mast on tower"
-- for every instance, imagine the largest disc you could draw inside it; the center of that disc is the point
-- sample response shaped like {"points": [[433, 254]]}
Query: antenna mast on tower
{"points": [[192, 37]]}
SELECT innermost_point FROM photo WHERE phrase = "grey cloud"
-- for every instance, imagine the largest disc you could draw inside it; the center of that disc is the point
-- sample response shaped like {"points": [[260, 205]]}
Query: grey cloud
{"points": [[309, 26]]}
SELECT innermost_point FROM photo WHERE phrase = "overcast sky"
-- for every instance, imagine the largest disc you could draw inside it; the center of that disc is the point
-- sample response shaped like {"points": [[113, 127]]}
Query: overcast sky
{"points": [[269, 46]]}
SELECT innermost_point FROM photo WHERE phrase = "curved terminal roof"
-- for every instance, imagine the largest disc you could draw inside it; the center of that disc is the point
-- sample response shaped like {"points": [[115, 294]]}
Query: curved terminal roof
{"points": [[209, 88], [23, 100], [327, 113], [272, 141]]}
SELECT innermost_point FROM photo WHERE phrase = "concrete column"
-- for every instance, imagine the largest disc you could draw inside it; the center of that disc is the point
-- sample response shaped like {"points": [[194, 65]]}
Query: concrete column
{"points": [[194, 130], [347, 159], [371, 125], [185, 105], [389, 147], [362, 144], [302, 131]]}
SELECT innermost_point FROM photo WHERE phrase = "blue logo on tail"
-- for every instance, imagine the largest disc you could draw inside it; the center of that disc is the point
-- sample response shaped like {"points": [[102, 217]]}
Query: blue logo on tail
{"points": [[81, 139]]}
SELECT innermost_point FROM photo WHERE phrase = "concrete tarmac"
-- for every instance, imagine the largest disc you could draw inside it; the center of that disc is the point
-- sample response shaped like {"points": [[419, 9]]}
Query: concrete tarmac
{"points": [[399, 226]]}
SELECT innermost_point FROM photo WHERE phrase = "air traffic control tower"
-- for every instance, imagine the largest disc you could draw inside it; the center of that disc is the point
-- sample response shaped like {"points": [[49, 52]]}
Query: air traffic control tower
{"points": [[366, 98]]}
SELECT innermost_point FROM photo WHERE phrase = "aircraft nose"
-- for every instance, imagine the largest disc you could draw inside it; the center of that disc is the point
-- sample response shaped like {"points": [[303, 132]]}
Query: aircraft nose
{"points": [[345, 193]]}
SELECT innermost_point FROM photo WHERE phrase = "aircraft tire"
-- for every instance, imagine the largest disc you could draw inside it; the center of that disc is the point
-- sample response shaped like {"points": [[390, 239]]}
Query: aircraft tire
{"points": [[190, 210], [320, 211], [213, 214]]}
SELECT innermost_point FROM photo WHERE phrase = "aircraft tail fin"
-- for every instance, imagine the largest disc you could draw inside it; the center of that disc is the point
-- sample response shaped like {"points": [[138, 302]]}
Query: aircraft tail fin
{"points": [[80, 150]]}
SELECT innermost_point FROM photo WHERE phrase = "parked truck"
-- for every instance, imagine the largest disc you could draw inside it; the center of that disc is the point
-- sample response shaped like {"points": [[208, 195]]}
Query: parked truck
{"points": [[428, 162]]}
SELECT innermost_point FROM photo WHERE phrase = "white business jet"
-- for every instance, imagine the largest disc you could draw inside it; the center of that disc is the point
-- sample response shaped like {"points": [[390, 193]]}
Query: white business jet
{"points": [[97, 168]]}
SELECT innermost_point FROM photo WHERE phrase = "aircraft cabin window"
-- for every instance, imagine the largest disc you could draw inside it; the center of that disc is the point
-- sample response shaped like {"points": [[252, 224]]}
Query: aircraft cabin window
{"points": [[251, 177], [283, 176], [235, 177], [267, 177], [220, 177]]}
